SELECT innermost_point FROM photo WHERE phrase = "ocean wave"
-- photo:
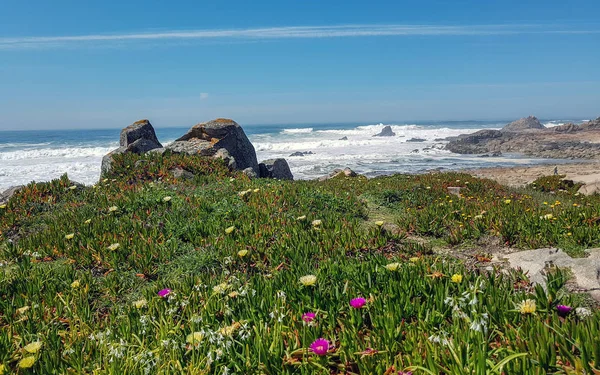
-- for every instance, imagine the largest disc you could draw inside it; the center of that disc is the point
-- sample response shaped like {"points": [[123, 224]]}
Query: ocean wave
{"points": [[297, 131], [44, 153]]}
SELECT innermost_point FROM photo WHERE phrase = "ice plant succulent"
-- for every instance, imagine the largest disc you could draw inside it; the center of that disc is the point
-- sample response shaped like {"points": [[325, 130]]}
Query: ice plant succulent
{"points": [[392, 266], [27, 362], [358, 302], [308, 280], [164, 292], [320, 346], [33, 347]]}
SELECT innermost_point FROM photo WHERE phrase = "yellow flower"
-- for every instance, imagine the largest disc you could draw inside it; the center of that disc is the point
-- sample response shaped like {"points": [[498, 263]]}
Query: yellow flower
{"points": [[22, 310], [27, 362], [69, 236], [113, 208], [87, 221], [414, 259], [308, 280], [242, 253], [139, 304], [75, 284], [114, 246], [194, 338], [316, 223], [1, 369], [33, 347], [428, 187], [230, 229], [166, 199], [546, 203], [379, 223], [233, 294], [230, 330], [300, 218], [392, 266], [527, 306], [507, 201], [569, 234], [547, 217], [2, 206], [72, 187], [457, 278], [221, 288], [256, 190]]}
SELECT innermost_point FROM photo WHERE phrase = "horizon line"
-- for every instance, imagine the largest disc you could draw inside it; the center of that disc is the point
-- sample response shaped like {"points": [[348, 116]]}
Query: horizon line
{"points": [[296, 32]]}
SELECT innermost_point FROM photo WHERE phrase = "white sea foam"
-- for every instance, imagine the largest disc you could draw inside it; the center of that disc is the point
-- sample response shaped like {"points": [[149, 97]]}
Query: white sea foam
{"points": [[297, 130]]}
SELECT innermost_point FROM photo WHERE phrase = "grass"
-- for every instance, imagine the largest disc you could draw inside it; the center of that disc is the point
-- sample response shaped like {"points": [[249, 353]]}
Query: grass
{"points": [[146, 274]]}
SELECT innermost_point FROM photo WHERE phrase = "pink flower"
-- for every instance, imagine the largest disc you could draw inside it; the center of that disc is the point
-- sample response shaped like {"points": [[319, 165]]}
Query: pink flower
{"points": [[308, 316], [165, 292], [357, 303], [405, 373], [320, 346], [563, 310]]}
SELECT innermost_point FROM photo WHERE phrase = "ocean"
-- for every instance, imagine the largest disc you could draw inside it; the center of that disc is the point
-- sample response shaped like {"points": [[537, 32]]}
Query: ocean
{"points": [[42, 155]]}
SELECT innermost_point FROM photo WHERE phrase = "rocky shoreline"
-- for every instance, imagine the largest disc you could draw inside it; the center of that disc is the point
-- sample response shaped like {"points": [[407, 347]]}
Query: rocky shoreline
{"points": [[529, 137]]}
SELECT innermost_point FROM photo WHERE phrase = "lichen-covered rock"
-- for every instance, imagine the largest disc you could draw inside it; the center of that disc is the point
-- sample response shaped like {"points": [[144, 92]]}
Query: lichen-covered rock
{"points": [[346, 172], [137, 138], [275, 168], [590, 189], [209, 137]]}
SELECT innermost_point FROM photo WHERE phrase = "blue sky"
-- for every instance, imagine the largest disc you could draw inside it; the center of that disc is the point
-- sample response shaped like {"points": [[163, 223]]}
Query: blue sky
{"points": [[79, 64]]}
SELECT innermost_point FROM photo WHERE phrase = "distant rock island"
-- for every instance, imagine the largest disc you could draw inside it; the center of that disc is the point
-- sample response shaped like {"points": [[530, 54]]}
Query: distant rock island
{"points": [[385, 132], [530, 137]]}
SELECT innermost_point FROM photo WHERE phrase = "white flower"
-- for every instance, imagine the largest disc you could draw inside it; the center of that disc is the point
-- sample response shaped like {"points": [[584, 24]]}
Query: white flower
{"points": [[583, 312]]}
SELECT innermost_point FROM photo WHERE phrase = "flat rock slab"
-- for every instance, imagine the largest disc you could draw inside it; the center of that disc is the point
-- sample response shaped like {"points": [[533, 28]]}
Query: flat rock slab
{"points": [[586, 271]]}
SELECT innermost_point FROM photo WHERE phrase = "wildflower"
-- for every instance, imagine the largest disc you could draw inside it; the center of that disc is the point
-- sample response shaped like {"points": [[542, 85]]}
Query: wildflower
{"points": [[358, 303], [407, 372], [164, 292], [242, 253], [2, 369], [527, 306], [320, 346], [87, 221], [457, 278], [23, 310], [69, 236], [194, 338], [114, 246], [563, 310], [256, 190], [113, 208], [308, 316], [230, 330], [316, 223], [230, 229], [308, 280], [33, 347], [75, 284], [569, 234], [72, 187], [167, 199], [221, 288], [392, 266], [2, 206], [300, 218], [547, 217], [233, 294], [507, 201], [140, 303], [379, 223], [27, 362], [583, 312], [414, 259]]}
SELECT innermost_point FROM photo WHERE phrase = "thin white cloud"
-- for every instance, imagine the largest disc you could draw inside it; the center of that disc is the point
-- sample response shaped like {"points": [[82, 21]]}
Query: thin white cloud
{"points": [[203, 95], [291, 32]]}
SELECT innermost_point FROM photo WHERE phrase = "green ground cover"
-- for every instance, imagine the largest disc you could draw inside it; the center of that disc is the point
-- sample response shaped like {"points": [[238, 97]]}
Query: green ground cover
{"points": [[147, 274]]}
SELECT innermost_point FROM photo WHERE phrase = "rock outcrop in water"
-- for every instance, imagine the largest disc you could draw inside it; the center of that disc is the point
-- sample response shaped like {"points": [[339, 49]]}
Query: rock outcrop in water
{"points": [[275, 168], [385, 132], [137, 138], [526, 137]]}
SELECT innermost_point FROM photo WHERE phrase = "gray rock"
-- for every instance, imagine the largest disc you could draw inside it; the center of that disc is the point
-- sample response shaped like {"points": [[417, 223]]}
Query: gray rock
{"points": [[302, 153], [207, 138], [250, 172], [524, 124], [454, 190], [416, 140], [590, 189], [180, 173], [8, 193], [344, 138], [137, 138], [223, 154], [347, 172], [385, 132], [275, 168]]}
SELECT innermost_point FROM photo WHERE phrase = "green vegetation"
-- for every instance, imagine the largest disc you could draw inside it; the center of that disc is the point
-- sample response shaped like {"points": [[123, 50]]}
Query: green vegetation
{"points": [[147, 274]]}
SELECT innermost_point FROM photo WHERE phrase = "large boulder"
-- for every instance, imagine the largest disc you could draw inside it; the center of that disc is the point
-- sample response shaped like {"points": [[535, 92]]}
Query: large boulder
{"points": [[275, 168], [475, 143], [208, 138], [524, 124], [137, 138], [385, 132]]}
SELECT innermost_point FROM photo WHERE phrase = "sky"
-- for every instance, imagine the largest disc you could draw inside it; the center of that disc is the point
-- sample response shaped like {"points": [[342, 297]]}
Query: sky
{"points": [[104, 64]]}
